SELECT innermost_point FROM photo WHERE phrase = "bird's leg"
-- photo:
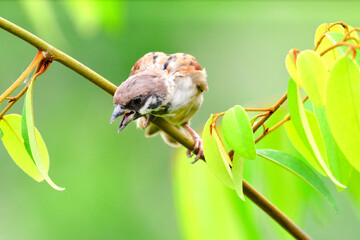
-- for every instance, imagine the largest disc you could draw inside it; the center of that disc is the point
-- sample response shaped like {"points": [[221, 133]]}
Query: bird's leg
{"points": [[198, 146]]}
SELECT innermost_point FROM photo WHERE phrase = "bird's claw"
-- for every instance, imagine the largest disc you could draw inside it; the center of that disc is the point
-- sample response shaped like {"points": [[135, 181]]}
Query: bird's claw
{"points": [[147, 120], [198, 147]]}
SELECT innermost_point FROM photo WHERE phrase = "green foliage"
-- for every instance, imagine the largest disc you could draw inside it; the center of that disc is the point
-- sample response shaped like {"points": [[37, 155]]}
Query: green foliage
{"points": [[238, 133], [301, 147], [338, 163], [1, 133], [299, 168], [303, 128], [332, 82], [28, 134], [313, 75], [216, 158], [343, 108], [238, 171], [10, 125]]}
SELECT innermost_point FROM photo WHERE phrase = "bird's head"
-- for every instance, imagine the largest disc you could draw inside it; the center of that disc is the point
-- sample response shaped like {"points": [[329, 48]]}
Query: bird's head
{"points": [[139, 95]]}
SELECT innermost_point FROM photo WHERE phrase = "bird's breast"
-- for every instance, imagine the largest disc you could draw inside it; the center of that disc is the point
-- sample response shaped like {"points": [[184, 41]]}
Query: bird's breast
{"points": [[184, 100]]}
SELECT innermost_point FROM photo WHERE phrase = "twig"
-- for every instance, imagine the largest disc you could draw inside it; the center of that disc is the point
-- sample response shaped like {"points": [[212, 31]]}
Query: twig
{"points": [[273, 109], [338, 44], [186, 141], [23, 76], [327, 29], [41, 68], [269, 130]]}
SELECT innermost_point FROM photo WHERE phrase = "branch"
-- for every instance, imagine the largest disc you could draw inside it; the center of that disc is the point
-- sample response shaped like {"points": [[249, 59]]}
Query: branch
{"points": [[66, 60]]}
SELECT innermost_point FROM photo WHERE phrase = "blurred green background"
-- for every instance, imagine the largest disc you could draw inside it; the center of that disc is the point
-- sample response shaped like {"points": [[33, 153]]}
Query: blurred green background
{"points": [[129, 187]]}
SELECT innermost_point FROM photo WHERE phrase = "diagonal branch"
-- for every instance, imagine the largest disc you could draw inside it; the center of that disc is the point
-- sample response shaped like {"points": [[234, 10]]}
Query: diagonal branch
{"points": [[54, 54]]}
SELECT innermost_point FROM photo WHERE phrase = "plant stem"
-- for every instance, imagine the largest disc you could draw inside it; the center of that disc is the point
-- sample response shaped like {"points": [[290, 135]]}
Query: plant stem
{"points": [[270, 112], [23, 76], [40, 69], [186, 141], [338, 44], [273, 211], [269, 130], [58, 55], [327, 29]]}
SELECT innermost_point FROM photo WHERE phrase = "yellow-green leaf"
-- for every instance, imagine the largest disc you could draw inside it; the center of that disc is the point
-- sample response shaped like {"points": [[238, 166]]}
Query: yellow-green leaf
{"points": [[237, 172], [28, 134], [291, 67], [300, 169], [336, 160], [10, 125], [238, 133], [302, 126], [331, 56], [215, 159], [343, 108], [313, 75], [301, 148], [337, 37]]}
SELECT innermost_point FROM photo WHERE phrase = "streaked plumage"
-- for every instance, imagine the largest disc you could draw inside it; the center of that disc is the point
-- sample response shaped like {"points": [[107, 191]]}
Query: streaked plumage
{"points": [[168, 86]]}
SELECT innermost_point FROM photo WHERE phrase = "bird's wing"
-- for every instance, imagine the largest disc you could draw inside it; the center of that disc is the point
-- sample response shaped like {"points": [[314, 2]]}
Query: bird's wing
{"points": [[178, 64]]}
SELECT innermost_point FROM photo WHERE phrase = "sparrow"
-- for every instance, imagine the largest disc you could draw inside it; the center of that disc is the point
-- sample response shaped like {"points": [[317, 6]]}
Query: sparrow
{"points": [[169, 86]]}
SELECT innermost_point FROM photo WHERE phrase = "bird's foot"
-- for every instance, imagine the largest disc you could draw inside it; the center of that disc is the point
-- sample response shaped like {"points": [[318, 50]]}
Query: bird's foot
{"points": [[147, 120], [198, 145]]}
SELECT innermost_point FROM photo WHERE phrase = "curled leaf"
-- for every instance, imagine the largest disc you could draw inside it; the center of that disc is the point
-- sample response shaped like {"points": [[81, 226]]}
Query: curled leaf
{"points": [[291, 67], [237, 172], [28, 134], [216, 155]]}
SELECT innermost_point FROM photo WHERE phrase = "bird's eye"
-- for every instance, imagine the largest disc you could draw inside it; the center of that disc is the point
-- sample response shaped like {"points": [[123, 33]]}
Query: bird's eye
{"points": [[137, 101]]}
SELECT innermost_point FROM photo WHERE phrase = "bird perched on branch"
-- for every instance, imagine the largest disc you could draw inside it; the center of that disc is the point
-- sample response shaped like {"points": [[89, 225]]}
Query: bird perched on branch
{"points": [[166, 86]]}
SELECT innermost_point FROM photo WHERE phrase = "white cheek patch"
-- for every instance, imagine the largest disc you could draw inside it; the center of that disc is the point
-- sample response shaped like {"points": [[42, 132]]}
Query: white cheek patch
{"points": [[144, 109]]}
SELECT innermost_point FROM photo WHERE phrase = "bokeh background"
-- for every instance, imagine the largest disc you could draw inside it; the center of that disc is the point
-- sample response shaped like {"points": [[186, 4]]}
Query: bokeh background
{"points": [[129, 187]]}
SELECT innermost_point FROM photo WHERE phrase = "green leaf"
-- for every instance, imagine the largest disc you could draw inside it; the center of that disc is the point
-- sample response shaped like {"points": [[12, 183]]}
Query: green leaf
{"points": [[237, 172], [215, 159], [300, 146], [331, 56], [337, 161], [343, 108], [1, 133], [224, 154], [300, 169], [299, 143], [336, 37], [238, 133], [10, 125], [302, 126], [28, 134], [313, 74], [291, 67]]}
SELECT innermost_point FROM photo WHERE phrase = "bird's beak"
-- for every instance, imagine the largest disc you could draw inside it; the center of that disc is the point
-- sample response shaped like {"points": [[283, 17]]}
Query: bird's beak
{"points": [[127, 118]]}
